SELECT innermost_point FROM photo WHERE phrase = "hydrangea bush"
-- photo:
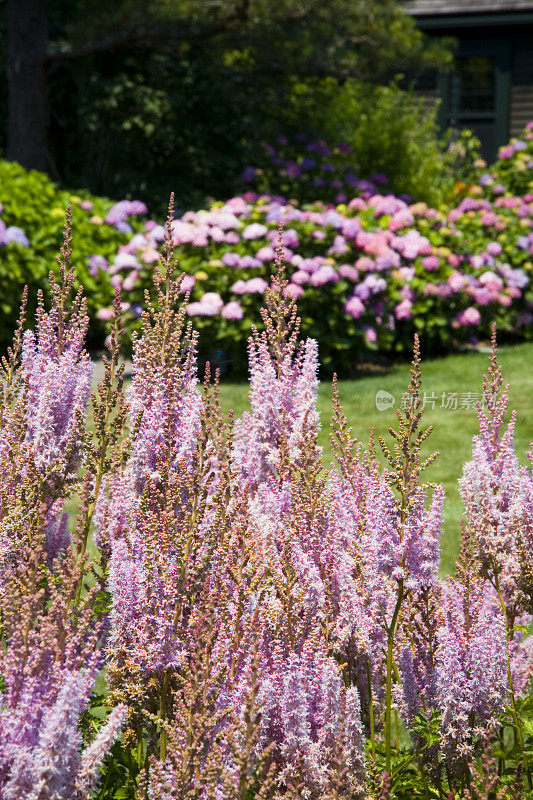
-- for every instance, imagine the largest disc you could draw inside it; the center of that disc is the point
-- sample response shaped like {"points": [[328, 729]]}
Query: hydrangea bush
{"points": [[226, 617], [369, 269]]}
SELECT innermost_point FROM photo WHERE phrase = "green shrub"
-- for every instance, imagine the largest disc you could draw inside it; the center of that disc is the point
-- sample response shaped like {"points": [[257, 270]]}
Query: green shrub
{"points": [[33, 203], [389, 130]]}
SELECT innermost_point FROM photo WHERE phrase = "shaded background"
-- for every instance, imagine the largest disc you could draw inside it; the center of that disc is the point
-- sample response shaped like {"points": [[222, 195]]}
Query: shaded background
{"points": [[137, 99]]}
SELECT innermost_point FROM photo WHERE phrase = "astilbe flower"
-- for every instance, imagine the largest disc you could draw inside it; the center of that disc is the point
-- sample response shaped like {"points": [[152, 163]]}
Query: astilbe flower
{"points": [[283, 386], [212, 741], [57, 377], [486, 782], [302, 550], [497, 496], [301, 545], [163, 392], [51, 648], [497, 493], [311, 717], [181, 576], [49, 662], [417, 658], [231, 765], [393, 544], [299, 678], [470, 663]]}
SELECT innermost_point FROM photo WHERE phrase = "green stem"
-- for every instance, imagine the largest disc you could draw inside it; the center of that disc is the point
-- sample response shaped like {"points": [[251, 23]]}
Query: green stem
{"points": [[139, 750], [99, 471], [514, 712], [397, 730], [388, 692], [371, 710], [104, 787], [162, 715]]}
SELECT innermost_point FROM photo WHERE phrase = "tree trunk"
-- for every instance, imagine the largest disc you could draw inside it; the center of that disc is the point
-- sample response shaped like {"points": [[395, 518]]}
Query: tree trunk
{"points": [[27, 37]]}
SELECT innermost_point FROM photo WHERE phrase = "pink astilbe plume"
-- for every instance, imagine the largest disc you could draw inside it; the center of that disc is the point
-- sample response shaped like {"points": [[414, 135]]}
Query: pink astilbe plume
{"points": [[392, 541], [470, 663], [311, 717], [163, 395], [52, 636], [283, 387], [498, 494], [49, 662], [57, 376], [179, 638]]}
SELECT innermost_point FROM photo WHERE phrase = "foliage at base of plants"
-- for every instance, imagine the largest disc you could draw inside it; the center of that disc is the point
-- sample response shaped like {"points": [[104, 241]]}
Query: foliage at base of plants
{"points": [[224, 618]]}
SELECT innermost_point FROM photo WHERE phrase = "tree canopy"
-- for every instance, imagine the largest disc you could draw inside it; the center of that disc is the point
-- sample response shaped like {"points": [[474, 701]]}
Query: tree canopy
{"points": [[95, 88]]}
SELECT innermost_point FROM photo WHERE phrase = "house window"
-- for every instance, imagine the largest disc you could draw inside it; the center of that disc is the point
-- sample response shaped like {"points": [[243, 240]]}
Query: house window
{"points": [[476, 94], [474, 85]]}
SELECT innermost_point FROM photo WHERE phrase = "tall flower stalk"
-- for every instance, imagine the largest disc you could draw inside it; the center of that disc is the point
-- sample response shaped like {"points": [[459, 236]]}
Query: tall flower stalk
{"points": [[497, 498], [405, 467]]}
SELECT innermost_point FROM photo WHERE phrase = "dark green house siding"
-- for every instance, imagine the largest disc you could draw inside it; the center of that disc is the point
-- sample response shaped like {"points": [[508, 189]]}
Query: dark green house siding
{"points": [[490, 89]]}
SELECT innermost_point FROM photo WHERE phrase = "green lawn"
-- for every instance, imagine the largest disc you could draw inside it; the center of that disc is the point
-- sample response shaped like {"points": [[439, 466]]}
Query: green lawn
{"points": [[453, 428]]}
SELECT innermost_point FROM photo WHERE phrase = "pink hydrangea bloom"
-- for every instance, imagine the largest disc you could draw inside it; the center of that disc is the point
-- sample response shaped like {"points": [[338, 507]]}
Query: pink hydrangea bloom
{"points": [[326, 274], [150, 255], [470, 316], [232, 310], [365, 264], [401, 219], [266, 254], [491, 281], [430, 262], [506, 152], [256, 286], [105, 314], [254, 231], [456, 281], [293, 290], [201, 310], [494, 248], [349, 272], [239, 287], [354, 307], [403, 310], [187, 283], [370, 334]]}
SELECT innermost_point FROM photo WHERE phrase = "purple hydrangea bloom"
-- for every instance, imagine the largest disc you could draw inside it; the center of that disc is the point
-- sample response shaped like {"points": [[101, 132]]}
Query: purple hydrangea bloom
{"points": [[16, 235], [231, 259], [248, 174], [370, 285], [325, 274], [354, 307], [97, 263]]}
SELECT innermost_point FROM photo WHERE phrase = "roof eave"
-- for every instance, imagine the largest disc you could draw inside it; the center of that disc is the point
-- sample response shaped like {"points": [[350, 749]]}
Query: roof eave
{"points": [[470, 20]]}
